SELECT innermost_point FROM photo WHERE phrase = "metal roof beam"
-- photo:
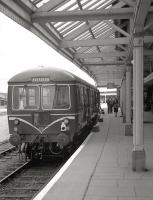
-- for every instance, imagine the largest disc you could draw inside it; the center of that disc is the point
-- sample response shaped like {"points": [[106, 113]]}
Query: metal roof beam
{"points": [[109, 76], [117, 28], [105, 84], [94, 42], [100, 55], [83, 15], [129, 2], [122, 47], [141, 12], [26, 4], [94, 64], [113, 75], [23, 18]]}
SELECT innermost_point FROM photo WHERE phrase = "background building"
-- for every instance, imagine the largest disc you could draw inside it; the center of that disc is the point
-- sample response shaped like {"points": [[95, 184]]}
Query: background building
{"points": [[3, 99]]}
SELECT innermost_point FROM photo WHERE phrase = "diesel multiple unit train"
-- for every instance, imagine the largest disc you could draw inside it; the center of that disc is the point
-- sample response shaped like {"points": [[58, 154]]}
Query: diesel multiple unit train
{"points": [[48, 111]]}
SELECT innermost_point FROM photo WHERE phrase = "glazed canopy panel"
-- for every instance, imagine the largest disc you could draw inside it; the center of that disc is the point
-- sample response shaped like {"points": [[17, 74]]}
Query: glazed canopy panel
{"points": [[96, 35]]}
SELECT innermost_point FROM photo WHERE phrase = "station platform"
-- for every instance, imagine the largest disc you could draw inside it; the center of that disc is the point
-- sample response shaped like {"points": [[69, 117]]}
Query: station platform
{"points": [[103, 168]]}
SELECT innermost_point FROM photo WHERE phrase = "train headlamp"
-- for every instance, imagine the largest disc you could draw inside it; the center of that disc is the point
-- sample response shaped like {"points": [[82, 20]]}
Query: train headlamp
{"points": [[16, 122], [63, 139], [66, 121], [15, 139], [63, 127]]}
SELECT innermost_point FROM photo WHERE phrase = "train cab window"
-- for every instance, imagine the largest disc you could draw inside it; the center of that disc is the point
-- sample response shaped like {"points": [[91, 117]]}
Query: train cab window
{"points": [[55, 97], [32, 97], [25, 97]]}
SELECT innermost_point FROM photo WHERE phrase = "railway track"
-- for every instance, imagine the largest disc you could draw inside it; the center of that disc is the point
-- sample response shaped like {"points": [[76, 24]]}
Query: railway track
{"points": [[26, 180], [22, 180], [9, 160], [5, 148]]}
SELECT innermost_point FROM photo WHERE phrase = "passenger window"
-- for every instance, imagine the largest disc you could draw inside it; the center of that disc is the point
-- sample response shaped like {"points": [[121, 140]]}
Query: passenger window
{"points": [[81, 96], [78, 96], [85, 97]]}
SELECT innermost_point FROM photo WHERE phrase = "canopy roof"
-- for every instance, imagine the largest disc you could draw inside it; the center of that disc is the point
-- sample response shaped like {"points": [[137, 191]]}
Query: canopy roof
{"points": [[96, 35]]}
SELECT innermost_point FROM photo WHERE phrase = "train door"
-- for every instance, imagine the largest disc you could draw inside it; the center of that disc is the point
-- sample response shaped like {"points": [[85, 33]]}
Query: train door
{"points": [[90, 107], [92, 102], [87, 102], [80, 105]]}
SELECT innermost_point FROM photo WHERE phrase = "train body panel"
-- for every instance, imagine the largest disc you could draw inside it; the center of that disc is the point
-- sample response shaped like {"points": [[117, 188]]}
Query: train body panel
{"points": [[49, 106]]}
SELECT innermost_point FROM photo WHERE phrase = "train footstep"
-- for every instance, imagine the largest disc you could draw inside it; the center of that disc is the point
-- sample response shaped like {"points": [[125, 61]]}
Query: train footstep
{"points": [[96, 127]]}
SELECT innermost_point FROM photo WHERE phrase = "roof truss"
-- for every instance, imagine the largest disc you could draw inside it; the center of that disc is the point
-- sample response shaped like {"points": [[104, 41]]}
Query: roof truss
{"points": [[82, 15], [90, 33]]}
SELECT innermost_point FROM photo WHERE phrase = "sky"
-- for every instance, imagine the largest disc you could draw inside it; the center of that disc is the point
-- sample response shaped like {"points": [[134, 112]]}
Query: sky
{"points": [[21, 50]]}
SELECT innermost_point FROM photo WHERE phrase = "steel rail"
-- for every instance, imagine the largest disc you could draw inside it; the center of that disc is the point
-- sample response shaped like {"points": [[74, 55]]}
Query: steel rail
{"points": [[14, 173]]}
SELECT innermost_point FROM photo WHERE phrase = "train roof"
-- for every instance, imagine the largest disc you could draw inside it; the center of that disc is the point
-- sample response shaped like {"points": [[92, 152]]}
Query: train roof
{"points": [[48, 73]]}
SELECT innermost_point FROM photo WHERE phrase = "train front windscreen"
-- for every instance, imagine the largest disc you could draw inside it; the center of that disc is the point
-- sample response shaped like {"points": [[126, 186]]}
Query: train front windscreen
{"points": [[51, 97]]}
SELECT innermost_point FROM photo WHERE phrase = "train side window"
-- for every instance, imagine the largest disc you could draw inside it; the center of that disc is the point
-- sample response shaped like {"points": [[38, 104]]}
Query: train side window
{"points": [[85, 96], [81, 96], [91, 100], [78, 97]]}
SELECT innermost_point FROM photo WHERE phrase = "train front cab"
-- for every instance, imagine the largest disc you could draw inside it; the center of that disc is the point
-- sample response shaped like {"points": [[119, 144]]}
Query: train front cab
{"points": [[49, 117], [33, 117]]}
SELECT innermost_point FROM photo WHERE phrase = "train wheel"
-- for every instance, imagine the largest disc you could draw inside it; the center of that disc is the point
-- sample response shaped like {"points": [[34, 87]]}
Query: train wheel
{"points": [[75, 142], [28, 152], [65, 154]]}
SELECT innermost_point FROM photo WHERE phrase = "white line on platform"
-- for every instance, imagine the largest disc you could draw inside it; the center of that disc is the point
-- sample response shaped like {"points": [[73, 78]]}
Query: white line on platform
{"points": [[44, 191]]}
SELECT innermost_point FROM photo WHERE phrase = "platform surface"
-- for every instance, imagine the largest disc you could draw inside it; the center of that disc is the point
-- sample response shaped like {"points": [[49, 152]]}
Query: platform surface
{"points": [[103, 169]]}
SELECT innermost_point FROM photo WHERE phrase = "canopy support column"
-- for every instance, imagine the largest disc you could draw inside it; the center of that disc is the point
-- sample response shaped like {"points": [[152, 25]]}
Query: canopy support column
{"points": [[124, 99], [128, 125], [138, 154]]}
